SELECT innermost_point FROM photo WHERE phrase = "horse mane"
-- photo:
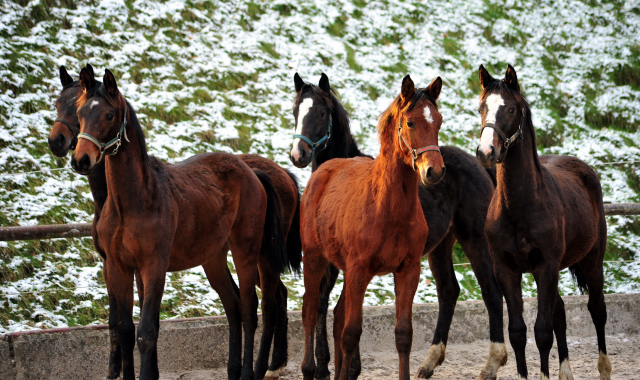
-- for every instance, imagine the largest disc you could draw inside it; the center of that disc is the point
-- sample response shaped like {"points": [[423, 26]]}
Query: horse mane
{"points": [[340, 127], [386, 126], [75, 83], [502, 88], [98, 90]]}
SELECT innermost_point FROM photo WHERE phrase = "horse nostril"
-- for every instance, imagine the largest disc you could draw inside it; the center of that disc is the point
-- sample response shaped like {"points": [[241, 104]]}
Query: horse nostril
{"points": [[492, 151], [85, 162], [444, 170], [303, 153], [429, 173]]}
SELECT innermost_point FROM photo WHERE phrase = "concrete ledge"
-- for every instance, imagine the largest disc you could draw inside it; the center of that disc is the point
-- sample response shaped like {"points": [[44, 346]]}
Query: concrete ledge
{"points": [[201, 343]]}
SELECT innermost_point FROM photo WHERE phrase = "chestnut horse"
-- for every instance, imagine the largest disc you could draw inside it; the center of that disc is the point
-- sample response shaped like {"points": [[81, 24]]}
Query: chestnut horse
{"points": [[546, 215], [193, 212], [454, 208], [364, 217]]}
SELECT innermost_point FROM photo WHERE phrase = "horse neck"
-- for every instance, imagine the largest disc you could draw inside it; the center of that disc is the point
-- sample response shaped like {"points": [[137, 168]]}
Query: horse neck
{"points": [[519, 177], [341, 143], [98, 186], [393, 181], [129, 175]]}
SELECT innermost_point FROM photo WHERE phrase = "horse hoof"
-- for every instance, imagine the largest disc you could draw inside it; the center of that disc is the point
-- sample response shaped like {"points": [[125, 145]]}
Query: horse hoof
{"points": [[487, 376], [424, 373]]}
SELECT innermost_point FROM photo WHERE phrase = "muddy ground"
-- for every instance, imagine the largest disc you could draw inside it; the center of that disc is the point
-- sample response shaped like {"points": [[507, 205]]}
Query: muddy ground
{"points": [[465, 361]]}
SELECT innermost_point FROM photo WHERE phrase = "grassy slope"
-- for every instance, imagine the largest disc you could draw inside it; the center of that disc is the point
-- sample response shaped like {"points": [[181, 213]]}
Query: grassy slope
{"points": [[208, 76]]}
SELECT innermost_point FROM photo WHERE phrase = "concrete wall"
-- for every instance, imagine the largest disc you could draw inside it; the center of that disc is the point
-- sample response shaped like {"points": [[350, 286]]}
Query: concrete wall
{"points": [[201, 343]]}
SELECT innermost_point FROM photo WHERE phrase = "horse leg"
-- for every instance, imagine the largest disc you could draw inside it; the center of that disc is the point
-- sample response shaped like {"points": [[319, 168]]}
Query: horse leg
{"points": [[120, 285], [221, 281], [153, 277], [592, 268], [510, 282], [247, 276], [477, 250], [441, 264], [338, 326], [406, 283], [560, 329], [115, 353], [313, 269], [280, 355], [546, 277], [269, 285], [355, 287], [322, 342]]}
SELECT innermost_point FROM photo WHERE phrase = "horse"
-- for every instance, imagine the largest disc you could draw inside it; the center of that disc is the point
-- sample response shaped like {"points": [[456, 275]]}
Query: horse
{"points": [[546, 215], [455, 209], [229, 199], [364, 217]]}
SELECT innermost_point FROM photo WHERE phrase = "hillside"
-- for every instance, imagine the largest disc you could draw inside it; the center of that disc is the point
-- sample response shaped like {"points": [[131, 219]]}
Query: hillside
{"points": [[209, 75]]}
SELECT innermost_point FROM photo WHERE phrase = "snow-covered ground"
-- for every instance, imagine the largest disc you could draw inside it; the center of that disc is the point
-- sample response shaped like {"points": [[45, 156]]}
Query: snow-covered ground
{"points": [[209, 76]]}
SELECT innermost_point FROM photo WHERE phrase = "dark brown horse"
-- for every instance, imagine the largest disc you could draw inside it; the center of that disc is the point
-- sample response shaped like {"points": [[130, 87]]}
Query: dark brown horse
{"points": [[364, 217], [193, 213], [546, 215], [455, 209]]}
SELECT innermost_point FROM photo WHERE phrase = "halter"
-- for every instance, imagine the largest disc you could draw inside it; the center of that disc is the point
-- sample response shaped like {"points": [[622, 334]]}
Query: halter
{"points": [[116, 140], [507, 141], [316, 144], [72, 128], [415, 153]]}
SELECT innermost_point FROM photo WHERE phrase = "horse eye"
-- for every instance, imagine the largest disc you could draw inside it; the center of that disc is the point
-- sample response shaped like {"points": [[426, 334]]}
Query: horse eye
{"points": [[512, 110], [110, 116], [410, 124]]}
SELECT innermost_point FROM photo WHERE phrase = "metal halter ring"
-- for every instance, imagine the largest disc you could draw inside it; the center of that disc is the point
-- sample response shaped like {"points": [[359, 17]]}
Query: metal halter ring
{"points": [[117, 141], [507, 142], [316, 144], [415, 153]]}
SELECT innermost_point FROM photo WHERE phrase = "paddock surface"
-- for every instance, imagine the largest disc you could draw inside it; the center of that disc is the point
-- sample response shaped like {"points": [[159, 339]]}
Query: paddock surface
{"points": [[197, 348]]}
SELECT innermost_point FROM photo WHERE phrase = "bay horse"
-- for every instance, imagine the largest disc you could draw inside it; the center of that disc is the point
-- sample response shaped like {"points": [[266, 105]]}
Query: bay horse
{"points": [[455, 209], [364, 217], [546, 215], [227, 216]]}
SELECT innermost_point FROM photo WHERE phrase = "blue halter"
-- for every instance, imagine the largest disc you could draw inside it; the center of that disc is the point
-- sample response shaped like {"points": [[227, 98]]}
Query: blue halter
{"points": [[316, 144]]}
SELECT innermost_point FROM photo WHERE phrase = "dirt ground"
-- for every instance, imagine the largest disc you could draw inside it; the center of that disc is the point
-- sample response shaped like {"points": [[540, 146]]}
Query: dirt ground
{"points": [[465, 361]]}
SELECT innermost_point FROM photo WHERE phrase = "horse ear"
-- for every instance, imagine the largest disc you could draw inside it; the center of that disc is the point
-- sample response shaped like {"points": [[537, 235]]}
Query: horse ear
{"points": [[86, 81], [298, 82], [324, 83], [435, 87], [109, 82], [485, 77], [65, 78], [90, 69], [408, 89], [511, 78]]}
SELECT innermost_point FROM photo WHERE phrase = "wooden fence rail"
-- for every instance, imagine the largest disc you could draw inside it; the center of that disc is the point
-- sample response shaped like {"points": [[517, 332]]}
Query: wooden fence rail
{"points": [[84, 229]]}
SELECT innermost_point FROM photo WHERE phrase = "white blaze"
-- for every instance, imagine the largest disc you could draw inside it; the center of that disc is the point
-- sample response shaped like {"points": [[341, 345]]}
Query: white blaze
{"points": [[493, 102], [94, 103], [303, 110], [427, 114]]}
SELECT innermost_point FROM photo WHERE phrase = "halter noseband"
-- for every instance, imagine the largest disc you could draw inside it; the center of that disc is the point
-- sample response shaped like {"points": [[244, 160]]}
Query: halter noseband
{"points": [[415, 153], [507, 141], [316, 144], [72, 128], [116, 140]]}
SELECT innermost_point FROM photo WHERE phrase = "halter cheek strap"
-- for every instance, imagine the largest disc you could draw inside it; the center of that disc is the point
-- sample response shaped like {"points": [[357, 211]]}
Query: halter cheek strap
{"points": [[316, 144], [507, 141], [72, 128], [415, 153], [116, 140]]}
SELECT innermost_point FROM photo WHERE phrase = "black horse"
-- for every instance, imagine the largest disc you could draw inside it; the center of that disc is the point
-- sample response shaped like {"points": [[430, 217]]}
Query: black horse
{"points": [[455, 209], [546, 215]]}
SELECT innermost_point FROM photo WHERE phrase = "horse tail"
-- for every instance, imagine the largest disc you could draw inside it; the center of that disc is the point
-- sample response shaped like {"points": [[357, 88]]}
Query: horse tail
{"points": [[578, 277], [294, 242], [272, 238]]}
